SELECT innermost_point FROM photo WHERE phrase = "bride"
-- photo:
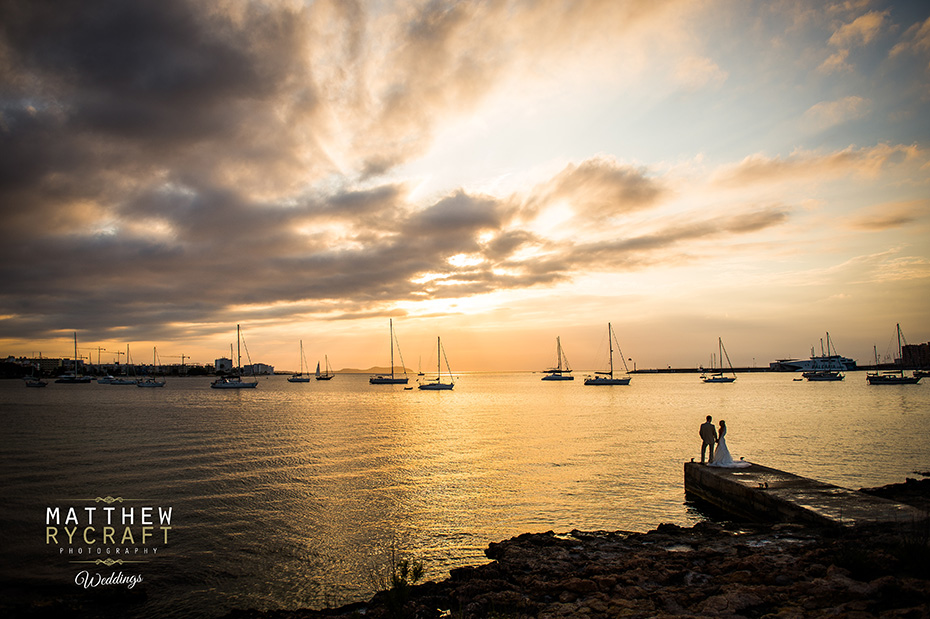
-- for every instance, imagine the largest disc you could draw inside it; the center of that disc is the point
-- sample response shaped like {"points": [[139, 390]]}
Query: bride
{"points": [[722, 455]]}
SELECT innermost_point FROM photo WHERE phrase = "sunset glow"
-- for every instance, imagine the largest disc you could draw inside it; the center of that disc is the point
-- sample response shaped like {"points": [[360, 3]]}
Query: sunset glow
{"points": [[494, 173]]}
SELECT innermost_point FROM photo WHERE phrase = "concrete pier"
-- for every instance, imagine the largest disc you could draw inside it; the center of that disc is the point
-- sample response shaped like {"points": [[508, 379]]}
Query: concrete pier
{"points": [[760, 493]]}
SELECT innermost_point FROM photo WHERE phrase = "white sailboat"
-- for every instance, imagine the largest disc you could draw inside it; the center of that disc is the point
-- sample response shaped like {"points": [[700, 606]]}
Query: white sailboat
{"points": [[381, 379], [130, 369], [301, 376], [235, 381], [151, 381], [74, 378], [607, 378], [327, 373], [559, 372], [438, 385], [718, 376]]}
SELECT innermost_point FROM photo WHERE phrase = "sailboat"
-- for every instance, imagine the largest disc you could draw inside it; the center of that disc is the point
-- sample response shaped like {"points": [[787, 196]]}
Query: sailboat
{"points": [[438, 385], [718, 376], [892, 377], [125, 380], [327, 373], [607, 378], [559, 372], [151, 381], [235, 381], [301, 376], [826, 365], [73, 378], [381, 379]]}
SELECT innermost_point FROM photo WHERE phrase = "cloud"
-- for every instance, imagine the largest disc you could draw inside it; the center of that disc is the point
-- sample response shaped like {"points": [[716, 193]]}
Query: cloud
{"points": [[694, 73], [828, 114], [890, 215], [861, 31], [836, 62], [801, 163], [915, 40], [858, 33], [599, 188]]}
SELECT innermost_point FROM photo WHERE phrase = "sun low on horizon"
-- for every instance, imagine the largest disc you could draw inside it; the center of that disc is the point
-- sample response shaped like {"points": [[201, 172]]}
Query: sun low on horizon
{"points": [[495, 174]]}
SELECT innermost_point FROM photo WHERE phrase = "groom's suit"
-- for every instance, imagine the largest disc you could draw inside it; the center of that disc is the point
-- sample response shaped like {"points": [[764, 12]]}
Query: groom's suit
{"points": [[709, 436]]}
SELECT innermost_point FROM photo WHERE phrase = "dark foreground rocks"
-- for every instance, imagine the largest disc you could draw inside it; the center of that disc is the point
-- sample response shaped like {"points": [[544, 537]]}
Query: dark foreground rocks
{"points": [[708, 570]]}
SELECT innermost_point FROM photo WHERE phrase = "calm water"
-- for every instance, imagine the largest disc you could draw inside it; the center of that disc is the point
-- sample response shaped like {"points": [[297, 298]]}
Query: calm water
{"points": [[291, 495]]}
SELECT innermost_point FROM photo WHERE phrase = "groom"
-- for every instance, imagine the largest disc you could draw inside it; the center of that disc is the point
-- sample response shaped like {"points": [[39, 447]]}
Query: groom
{"points": [[709, 436]]}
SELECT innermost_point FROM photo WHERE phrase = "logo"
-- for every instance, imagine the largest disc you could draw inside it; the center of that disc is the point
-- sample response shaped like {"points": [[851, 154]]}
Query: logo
{"points": [[108, 531]]}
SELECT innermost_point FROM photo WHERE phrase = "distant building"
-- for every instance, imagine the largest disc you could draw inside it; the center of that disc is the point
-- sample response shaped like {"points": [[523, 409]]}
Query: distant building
{"points": [[258, 368], [223, 365], [916, 355]]}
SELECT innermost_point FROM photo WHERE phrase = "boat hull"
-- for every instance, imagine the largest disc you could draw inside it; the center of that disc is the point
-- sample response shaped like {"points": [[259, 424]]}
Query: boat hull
{"points": [[437, 387], [298, 379], [387, 380], [823, 376], [719, 379], [606, 381], [232, 384], [557, 377], [885, 379]]}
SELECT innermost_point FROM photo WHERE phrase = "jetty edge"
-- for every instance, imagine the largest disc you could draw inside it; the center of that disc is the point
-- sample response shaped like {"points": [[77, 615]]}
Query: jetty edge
{"points": [[763, 494]]}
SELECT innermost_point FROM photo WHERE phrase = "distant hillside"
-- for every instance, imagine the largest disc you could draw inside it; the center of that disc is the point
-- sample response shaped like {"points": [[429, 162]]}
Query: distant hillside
{"points": [[374, 370]]}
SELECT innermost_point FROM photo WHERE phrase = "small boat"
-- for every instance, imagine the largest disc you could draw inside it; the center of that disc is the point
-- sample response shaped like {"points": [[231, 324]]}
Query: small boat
{"points": [[327, 373], [438, 385], [607, 378], [32, 381], [381, 379], [559, 372], [105, 380], [235, 381], [717, 376], [892, 377], [130, 369], [301, 377], [73, 378], [127, 380], [151, 381], [823, 376]]}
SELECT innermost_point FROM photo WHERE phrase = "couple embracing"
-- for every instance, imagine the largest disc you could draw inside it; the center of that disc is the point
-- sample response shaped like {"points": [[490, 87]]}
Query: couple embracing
{"points": [[717, 444]]}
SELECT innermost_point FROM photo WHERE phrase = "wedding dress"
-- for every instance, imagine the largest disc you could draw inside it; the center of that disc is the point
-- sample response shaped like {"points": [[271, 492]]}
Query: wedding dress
{"points": [[722, 455]]}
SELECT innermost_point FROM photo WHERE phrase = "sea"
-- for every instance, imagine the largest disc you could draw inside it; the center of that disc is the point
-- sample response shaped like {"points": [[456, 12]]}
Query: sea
{"points": [[301, 495]]}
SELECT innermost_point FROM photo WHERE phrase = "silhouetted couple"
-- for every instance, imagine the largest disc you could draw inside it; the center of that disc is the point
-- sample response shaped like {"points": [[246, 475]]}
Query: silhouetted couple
{"points": [[716, 443]]}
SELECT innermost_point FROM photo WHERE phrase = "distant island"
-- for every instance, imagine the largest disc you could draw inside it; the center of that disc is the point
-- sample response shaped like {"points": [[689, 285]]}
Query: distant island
{"points": [[375, 370]]}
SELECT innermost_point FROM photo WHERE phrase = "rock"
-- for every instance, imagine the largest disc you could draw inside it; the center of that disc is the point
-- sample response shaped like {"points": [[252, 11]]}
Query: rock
{"points": [[771, 571]]}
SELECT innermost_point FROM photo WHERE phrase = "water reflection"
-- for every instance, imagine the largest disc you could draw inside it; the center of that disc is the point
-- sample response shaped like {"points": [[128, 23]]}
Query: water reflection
{"points": [[288, 495]]}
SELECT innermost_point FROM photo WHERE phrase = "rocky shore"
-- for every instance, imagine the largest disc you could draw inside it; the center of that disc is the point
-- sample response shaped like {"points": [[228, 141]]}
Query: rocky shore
{"points": [[709, 570]]}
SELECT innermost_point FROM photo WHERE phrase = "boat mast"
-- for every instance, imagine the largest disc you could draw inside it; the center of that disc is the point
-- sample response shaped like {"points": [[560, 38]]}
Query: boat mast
{"points": [[238, 352], [610, 344], [900, 352], [391, 322], [438, 359]]}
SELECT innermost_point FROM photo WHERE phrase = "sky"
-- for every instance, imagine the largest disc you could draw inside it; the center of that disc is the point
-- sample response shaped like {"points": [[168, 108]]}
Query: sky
{"points": [[493, 173]]}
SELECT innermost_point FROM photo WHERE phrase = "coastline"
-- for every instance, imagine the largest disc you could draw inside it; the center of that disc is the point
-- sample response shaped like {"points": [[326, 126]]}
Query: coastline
{"points": [[712, 569]]}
